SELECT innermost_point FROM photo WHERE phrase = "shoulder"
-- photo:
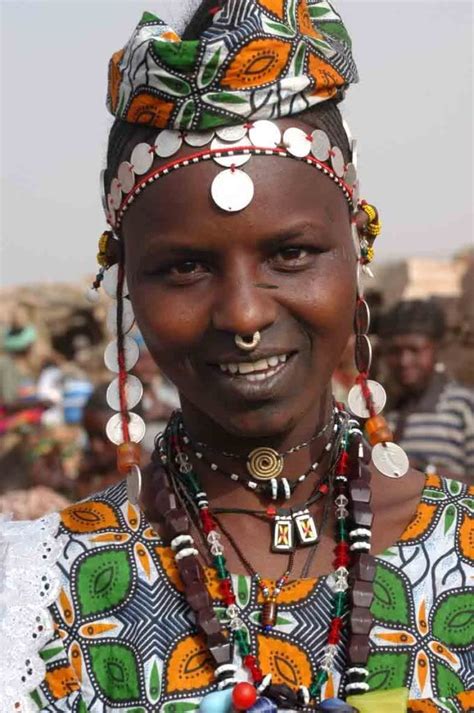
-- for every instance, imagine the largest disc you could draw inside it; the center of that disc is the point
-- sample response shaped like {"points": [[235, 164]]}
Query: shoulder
{"points": [[29, 552]]}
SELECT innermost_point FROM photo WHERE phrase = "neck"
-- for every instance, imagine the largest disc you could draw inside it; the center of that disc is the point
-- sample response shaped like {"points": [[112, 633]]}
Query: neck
{"points": [[202, 428]]}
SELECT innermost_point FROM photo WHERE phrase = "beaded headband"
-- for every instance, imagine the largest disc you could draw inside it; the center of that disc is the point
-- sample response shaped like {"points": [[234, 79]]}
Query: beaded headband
{"points": [[231, 147]]}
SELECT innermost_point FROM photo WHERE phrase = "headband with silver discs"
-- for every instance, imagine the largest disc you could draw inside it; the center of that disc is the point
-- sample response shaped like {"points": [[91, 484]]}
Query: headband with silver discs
{"points": [[232, 147]]}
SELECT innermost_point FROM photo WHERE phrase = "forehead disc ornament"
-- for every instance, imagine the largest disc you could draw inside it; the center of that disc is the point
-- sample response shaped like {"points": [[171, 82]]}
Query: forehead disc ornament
{"points": [[232, 190]]}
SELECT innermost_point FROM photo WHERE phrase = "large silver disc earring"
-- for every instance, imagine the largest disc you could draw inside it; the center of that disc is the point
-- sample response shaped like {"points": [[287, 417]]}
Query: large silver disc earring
{"points": [[248, 344]]}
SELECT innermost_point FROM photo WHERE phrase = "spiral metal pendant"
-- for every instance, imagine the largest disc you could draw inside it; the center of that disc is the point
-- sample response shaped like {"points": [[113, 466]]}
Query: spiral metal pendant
{"points": [[264, 463]]}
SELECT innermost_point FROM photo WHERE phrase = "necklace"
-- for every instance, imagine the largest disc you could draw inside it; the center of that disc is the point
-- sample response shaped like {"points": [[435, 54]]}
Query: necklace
{"points": [[276, 489], [355, 570], [262, 463]]}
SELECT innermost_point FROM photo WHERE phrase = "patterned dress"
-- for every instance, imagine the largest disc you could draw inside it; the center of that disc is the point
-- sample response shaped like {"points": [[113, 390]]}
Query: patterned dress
{"points": [[103, 625]]}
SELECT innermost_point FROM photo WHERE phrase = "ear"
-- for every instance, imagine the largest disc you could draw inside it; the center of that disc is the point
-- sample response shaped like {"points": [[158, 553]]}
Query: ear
{"points": [[361, 220]]}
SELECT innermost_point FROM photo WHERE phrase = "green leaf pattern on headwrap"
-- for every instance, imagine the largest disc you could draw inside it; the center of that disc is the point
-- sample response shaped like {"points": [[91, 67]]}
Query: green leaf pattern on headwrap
{"points": [[259, 59]]}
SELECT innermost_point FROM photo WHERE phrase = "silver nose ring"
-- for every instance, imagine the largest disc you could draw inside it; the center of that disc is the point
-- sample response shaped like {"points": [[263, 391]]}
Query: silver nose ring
{"points": [[248, 344]]}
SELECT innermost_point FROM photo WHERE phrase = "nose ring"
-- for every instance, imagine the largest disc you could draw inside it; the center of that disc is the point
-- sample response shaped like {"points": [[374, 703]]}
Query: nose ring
{"points": [[248, 344]]}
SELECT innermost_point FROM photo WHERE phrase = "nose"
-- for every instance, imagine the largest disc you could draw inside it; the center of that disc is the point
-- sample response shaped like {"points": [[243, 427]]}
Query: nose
{"points": [[241, 306]]}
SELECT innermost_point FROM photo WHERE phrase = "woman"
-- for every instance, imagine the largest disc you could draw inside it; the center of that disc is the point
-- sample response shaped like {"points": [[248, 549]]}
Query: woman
{"points": [[235, 573]]}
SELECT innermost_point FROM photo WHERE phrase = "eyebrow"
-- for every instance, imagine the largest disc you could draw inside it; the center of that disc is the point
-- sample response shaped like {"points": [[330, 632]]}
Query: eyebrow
{"points": [[267, 242]]}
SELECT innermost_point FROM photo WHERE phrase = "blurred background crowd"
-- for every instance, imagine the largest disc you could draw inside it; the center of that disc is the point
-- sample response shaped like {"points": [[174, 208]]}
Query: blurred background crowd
{"points": [[53, 382]]}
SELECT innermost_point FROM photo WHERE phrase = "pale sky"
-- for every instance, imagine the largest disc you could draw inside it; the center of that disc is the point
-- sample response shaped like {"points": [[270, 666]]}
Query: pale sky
{"points": [[411, 113]]}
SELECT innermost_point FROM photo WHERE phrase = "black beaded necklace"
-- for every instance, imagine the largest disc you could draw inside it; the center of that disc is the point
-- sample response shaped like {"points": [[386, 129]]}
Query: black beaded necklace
{"points": [[355, 570]]}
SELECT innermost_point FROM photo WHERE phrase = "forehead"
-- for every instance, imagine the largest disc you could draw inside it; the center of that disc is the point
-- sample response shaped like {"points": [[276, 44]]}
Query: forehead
{"points": [[285, 190]]}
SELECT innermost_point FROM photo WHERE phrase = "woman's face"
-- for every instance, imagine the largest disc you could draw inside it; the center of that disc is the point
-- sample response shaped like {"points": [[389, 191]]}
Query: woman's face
{"points": [[284, 266]]}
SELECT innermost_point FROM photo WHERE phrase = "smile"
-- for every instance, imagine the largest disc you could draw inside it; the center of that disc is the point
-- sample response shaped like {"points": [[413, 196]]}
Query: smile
{"points": [[255, 370]]}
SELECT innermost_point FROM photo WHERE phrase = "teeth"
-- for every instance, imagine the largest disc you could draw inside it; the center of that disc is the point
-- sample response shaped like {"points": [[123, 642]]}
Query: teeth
{"points": [[250, 367]]}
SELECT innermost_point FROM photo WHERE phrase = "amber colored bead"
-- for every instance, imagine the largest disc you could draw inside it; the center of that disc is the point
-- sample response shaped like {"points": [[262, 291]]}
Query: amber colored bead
{"points": [[377, 430], [128, 454]]}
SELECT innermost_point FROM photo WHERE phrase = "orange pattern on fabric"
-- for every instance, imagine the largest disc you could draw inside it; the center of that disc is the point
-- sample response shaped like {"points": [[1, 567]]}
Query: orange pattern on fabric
{"points": [[285, 661], [275, 6], [143, 558], [115, 78], [421, 622], [420, 523], [466, 537], [443, 652], [295, 591], [326, 78], [146, 109], [433, 481], [466, 700], [424, 706], [75, 657], [422, 668], [258, 62], [189, 666], [89, 517], [403, 638], [91, 630], [111, 537], [62, 681], [66, 607], [305, 23], [168, 563]]}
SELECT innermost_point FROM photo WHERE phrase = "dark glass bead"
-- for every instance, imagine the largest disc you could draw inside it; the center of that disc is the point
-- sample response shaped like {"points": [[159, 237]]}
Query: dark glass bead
{"points": [[207, 621], [282, 695], [190, 570], [164, 501], [361, 620], [197, 596], [360, 491], [263, 705], [335, 705], [362, 594], [362, 515], [176, 523], [222, 653], [363, 568], [358, 652]]}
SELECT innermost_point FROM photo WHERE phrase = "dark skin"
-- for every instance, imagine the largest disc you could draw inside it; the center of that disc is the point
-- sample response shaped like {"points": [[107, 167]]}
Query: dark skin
{"points": [[285, 266], [411, 359]]}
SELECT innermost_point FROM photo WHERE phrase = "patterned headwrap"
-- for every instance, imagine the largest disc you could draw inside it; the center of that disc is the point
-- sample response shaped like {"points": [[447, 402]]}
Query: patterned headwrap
{"points": [[259, 59]]}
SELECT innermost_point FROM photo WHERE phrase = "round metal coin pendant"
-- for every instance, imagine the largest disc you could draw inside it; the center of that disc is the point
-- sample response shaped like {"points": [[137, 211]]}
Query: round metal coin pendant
{"points": [[390, 460], [114, 430], [356, 401], [264, 463], [130, 350], [133, 392], [232, 190]]}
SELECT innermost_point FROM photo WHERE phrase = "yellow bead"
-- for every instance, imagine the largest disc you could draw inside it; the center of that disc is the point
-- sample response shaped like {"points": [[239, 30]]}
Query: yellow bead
{"points": [[370, 211]]}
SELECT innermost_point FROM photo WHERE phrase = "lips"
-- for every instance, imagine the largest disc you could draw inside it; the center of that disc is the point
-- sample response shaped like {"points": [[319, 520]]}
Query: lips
{"points": [[258, 378]]}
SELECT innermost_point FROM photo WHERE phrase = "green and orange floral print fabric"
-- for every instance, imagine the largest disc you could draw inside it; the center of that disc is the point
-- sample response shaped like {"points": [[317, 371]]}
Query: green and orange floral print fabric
{"points": [[259, 59], [125, 638]]}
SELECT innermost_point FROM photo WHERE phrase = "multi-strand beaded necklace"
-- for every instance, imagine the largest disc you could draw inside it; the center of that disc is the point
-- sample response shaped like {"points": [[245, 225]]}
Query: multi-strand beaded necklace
{"points": [[352, 588]]}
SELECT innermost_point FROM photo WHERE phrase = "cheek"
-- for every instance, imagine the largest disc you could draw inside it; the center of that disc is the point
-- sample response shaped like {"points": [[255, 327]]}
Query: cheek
{"points": [[171, 323]]}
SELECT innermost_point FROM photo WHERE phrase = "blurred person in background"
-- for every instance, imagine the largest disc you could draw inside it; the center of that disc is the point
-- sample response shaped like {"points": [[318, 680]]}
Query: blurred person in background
{"points": [[98, 468], [432, 416]]}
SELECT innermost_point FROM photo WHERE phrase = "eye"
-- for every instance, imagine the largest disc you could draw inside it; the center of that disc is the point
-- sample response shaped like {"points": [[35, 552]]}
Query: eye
{"points": [[185, 271], [293, 253], [292, 257]]}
